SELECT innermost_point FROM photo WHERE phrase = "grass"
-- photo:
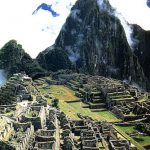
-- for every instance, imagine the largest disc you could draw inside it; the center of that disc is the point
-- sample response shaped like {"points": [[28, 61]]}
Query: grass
{"points": [[68, 110], [64, 94], [138, 145], [59, 91], [104, 115], [85, 111], [71, 110], [108, 116], [143, 140], [32, 114], [127, 129]]}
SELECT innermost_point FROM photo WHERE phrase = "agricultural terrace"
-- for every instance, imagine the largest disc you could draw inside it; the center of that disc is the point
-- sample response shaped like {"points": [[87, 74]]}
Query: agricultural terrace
{"points": [[65, 94]]}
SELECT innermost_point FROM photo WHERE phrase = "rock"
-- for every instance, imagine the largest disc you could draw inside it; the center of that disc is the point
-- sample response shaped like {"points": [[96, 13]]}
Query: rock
{"points": [[95, 43], [142, 48]]}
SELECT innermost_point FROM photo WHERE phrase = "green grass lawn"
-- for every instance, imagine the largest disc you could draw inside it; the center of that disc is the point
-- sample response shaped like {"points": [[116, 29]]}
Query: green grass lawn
{"points": [[103, 115], [71, 109], [108, 116], [142, 140], [127, 129], [59, 91], [121, 131], [64, 94]]}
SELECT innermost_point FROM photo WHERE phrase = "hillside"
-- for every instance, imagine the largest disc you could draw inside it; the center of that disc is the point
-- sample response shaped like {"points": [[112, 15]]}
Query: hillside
{"points": [[14, 59], [95, 43]]}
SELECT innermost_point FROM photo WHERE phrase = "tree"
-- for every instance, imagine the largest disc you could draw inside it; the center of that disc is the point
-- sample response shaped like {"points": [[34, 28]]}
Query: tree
{"points": [[55, 103]]}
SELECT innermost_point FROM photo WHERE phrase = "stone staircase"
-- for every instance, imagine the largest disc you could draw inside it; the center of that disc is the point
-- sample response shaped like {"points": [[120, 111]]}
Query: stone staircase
{"points": [[97, 103]]}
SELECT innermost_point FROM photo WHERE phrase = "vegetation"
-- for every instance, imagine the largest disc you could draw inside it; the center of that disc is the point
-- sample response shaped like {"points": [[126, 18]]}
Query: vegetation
{"points": [[13, 59], [55, 102], [141, 139], [127, 129], [54, 59], [62, 93], [32, 114], [139, 147], [108, 116], [65, 94]]}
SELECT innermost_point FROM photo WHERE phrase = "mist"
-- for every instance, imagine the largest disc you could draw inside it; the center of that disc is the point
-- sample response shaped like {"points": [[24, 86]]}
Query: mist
{"points": [[128, 30], [3, 77], [127, 27]]}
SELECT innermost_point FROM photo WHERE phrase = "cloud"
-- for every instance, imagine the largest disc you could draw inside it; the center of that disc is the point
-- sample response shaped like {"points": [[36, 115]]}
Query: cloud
{"points": [[128, 31], [17, 22], [37, 32], [134, 11]]}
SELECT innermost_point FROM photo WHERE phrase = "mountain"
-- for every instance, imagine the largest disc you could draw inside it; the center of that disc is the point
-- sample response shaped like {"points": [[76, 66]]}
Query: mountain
{"points": [[54, 59], [142, 48], [95, 42], [13, 59]]}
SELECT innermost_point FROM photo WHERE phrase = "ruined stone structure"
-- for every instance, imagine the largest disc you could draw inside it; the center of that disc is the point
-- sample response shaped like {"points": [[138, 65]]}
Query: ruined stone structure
{"points": [[17, 136], [35, 125], [36, 115], [100, 93], [15, 90]]}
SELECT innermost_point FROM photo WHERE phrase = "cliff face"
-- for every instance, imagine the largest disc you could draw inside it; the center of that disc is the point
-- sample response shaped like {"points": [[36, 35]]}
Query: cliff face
{"points": [[13, 59], [95, 42], [142, 48]]}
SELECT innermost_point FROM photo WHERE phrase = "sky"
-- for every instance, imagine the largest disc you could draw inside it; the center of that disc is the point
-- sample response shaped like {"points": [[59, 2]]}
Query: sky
{"points": [[39, 31]]}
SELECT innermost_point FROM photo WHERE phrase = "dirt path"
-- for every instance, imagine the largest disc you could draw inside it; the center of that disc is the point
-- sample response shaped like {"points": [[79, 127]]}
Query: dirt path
{"points": [[57, 146]]}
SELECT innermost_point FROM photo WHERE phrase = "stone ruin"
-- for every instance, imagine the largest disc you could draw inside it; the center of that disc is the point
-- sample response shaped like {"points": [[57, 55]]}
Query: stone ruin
{"points": [[132, 111], [60, 132], [101, 94], [120, 144], [17, 136], [36, 115], [14, 90], [45, 139], [38, 126]]}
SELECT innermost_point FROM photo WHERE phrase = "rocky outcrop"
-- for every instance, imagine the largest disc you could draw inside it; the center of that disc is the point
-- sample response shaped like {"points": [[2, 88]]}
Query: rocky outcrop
{"points": [[142, 48], [95, 42], [13, 59]]}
